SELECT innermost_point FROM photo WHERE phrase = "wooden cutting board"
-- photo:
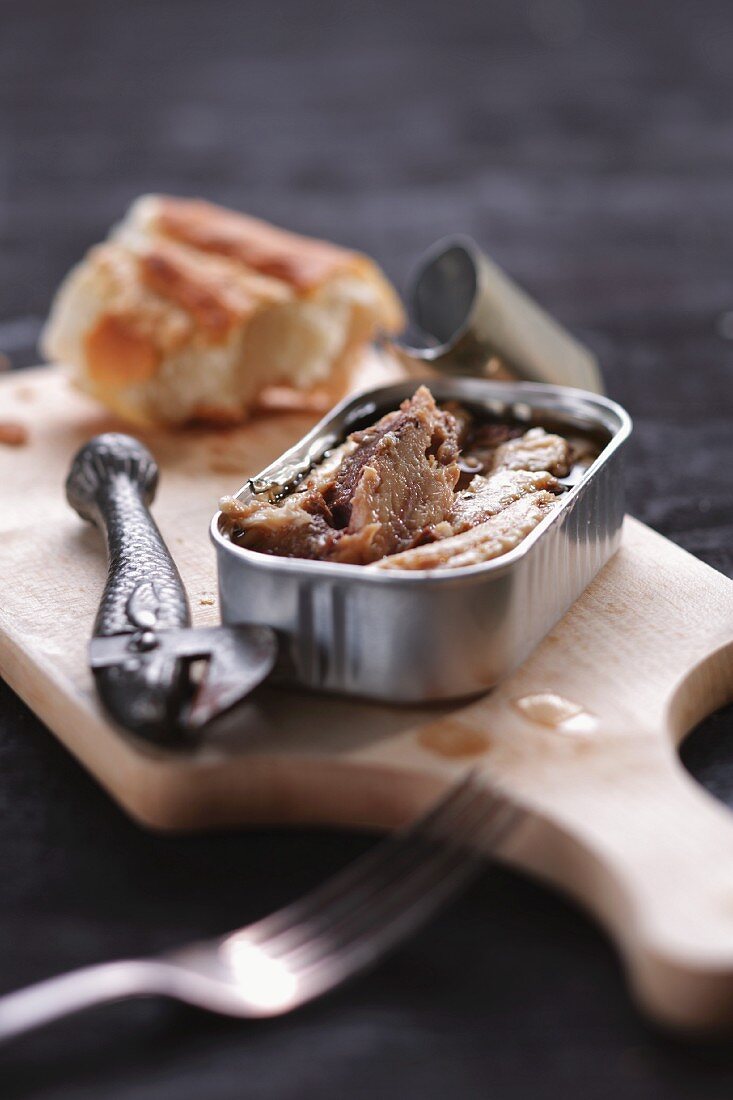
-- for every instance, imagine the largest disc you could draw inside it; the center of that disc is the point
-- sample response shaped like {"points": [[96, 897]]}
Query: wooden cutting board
{"points": [[643, 655]]}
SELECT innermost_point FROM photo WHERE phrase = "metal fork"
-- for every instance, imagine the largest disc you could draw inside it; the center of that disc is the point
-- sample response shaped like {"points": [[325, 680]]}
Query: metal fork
{"points": [[311, 946]]}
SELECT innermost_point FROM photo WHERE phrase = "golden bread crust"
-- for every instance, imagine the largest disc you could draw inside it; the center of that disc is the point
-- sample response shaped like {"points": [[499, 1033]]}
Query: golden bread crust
{"points": [[191, 311], [301, 262], [212, 293]]}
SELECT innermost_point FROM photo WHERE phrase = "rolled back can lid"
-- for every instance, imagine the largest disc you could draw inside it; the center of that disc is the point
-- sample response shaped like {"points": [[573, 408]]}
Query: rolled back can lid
{"points": [[469, 318]]}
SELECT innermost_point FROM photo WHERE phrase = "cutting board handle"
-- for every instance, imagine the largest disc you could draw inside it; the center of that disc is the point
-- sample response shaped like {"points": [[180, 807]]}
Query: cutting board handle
{"points": [[651, 853]]}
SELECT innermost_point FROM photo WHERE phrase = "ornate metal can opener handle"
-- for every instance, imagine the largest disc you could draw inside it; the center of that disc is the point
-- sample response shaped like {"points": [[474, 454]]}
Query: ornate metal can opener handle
{"points": [[143, 646]]}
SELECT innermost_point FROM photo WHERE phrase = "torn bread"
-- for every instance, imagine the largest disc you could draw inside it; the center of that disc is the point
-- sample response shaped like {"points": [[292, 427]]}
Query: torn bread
{"points": [[189, 311]]}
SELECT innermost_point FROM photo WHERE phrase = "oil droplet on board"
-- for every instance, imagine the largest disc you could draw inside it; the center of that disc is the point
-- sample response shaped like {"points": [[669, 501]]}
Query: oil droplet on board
{"points": [[547, 708], [454, 740]]}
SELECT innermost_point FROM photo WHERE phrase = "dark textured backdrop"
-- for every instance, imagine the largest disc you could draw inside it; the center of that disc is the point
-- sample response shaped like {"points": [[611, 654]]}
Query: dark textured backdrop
{"points": [[589, 147]]}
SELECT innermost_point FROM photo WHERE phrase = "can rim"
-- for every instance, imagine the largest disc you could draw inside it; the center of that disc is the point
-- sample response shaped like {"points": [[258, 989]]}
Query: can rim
{"points": [[326, 570]]}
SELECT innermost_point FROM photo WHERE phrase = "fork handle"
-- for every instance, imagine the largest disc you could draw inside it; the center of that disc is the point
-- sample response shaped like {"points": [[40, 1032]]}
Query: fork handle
{"points": [[49, 1000]]}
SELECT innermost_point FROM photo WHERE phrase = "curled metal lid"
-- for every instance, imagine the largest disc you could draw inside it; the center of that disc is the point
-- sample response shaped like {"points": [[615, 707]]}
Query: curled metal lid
{"points": [[469, 318]]}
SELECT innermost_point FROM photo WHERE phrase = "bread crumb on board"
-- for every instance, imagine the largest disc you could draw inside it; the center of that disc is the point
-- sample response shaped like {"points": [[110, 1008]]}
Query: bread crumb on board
{"points": [[207, 600], [13, 434]]}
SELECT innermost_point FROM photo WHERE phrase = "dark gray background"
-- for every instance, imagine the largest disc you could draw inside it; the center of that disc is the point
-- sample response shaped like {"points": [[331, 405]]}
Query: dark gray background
{"points": [[589, 147]]}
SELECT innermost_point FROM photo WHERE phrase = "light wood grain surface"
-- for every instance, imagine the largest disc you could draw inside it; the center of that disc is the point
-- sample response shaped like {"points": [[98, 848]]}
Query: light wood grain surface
{"points": [[583, 734]]}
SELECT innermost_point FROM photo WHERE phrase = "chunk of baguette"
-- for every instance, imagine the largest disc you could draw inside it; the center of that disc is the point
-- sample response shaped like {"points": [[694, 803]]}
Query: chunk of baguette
{"points": [[189, 311]]}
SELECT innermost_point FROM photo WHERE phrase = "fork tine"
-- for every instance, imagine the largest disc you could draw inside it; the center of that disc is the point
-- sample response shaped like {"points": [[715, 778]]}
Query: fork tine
{"points": [[373, 940], [418, 848], [406, 882], [361, 950], [383, 909], [404, 840]]}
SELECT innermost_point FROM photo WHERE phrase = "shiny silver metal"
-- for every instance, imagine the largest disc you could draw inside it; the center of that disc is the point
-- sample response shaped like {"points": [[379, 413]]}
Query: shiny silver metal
{"points": [[310, 947], [432, 634], [469, 318]]}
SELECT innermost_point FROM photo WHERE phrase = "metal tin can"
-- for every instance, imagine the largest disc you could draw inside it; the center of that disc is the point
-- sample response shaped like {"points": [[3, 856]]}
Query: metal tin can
{"points": [[432, 634]]}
